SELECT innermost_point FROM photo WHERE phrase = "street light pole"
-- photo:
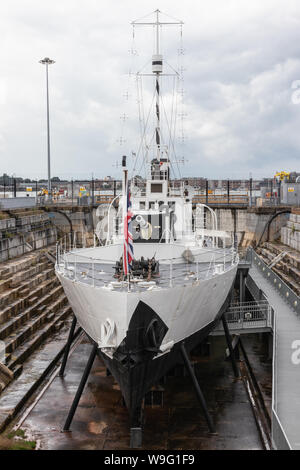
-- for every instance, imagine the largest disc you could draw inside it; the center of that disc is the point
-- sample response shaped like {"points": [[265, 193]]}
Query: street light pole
{"points": [[46, 61]]}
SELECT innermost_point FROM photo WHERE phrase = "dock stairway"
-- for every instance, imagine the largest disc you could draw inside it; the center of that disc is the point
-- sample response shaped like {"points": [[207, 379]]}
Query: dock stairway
{"points": [[278, 258], [284, 261], [33, 306]]}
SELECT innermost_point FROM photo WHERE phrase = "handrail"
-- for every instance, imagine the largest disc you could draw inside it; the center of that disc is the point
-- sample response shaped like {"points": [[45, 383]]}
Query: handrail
{"points": [[108, 232], [203, 251], [81, 267], [278, 283], [249, 315]]}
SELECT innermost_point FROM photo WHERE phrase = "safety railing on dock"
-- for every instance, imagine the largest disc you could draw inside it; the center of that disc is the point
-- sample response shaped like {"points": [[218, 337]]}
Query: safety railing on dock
{"points": [[221, 199], [279, 437], [282, 288], [286, 347], [249, 316]]}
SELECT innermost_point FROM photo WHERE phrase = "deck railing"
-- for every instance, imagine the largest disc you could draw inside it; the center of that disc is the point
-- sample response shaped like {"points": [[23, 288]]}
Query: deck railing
{"points": [[88, 267], [252, 314]]}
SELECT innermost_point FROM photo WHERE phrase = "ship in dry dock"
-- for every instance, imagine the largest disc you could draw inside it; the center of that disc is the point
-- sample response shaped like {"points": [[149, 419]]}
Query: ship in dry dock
{"points": [[163, 276]]}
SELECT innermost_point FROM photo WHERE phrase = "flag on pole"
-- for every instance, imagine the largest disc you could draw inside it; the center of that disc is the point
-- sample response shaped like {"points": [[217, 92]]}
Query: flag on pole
{"points": [[128, 243]]}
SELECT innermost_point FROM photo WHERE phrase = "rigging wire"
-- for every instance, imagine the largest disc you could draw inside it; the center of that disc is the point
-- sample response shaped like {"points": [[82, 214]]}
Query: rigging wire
{"points": [[172, 142], [162, 13], [171, 124], [133, 52], [181, 69], [172, 112], [145, 127]]}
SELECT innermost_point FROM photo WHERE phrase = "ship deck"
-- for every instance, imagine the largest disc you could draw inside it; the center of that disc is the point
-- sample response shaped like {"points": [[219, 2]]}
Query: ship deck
{"points": [[102, 275]]}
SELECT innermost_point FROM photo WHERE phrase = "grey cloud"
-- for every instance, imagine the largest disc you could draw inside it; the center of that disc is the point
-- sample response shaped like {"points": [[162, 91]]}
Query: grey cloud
{"points": [[241, 60]]}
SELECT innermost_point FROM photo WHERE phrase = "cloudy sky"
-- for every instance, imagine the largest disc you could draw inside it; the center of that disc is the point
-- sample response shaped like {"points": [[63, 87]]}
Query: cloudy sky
{"points": [[242, 105]]}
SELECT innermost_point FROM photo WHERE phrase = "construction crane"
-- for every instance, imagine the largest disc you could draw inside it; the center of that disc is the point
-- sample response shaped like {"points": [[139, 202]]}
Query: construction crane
{"points": [[282, 175]]}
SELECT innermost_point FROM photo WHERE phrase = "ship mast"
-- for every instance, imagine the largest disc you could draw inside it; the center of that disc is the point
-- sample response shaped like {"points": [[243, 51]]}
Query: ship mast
{"points": [[157, 68]]}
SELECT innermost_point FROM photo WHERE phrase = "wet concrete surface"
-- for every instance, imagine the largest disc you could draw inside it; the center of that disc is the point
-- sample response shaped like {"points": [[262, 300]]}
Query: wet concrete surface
{"points": [[32, 370], [101, 421], [259, 351]]}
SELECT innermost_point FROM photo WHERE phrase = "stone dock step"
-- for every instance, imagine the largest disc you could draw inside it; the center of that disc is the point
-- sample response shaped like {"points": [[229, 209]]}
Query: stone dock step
{"points": [[33, 307], [14, 289], [34, 370], [288, 268], [294, 285], [28, 273], [25, 350], [282, 265], [17, 265], [6, 376], [37, 307], [293, 256], [24, 332], [16, 306], [4, 284]]}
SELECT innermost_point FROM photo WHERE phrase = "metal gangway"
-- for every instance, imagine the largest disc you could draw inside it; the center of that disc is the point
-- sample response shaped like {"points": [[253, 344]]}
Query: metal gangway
{"points": [[264, 283], [248, 317]]}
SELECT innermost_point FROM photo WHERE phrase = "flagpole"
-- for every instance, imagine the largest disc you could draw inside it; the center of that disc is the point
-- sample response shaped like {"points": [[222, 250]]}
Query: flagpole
{"points": [[124, 191]]}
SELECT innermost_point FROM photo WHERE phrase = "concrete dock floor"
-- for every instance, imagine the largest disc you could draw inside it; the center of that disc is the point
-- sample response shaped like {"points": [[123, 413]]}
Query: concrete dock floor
{"points": [[101, 420]]}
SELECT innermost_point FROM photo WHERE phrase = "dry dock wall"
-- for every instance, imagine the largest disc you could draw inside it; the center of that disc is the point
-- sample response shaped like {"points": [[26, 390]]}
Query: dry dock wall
{"points": [[248, 225], [80, 222], [22, 232], [290, 235]]}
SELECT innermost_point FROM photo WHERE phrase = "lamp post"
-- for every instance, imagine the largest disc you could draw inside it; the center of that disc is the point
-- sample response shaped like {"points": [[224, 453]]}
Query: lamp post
{"points": [[46, 61], [14, 185]]}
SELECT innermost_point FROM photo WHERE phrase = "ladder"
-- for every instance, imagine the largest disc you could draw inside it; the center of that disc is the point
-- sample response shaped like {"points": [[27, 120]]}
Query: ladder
{"points": [[278, 258], [200, 217]]}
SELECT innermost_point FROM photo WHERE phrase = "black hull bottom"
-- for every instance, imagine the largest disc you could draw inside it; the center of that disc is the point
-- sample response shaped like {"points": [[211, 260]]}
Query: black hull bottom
{"points": [[137, 378]]}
